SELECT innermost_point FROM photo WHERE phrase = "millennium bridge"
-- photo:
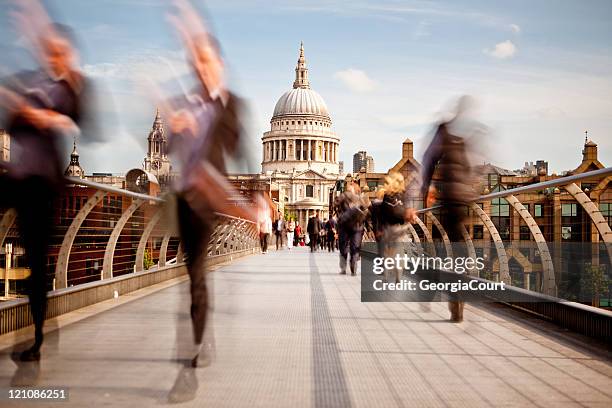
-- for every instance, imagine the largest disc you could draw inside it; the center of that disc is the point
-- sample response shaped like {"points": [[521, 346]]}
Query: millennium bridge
{"points": [[288, 330]]}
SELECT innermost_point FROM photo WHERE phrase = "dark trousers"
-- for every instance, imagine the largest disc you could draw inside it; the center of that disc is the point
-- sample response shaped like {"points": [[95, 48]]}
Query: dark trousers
{"points": [[279, 239], [314, 240], [263, 241], [195, 236], [350, 243], [33, 199], [331, 242]]}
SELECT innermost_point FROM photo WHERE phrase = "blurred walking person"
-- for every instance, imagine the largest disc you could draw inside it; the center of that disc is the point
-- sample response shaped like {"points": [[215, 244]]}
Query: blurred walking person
{"points": [[376, 222], [322, 235], [206, 128], [449, 155], [351, 211], [265, 229], [330, 231], [40, 108], [298, 234], [279, 228], [313, 228], [290, 232], [390, 221]]}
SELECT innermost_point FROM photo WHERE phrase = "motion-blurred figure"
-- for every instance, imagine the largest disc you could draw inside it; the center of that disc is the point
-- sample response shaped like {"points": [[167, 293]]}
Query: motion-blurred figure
{"points": [[330, 231], [290, 232], [391, 219], [40, 107], [449, 155], [264, 223], [205, 128], [351, 211], [313, 228], [279, 230]]}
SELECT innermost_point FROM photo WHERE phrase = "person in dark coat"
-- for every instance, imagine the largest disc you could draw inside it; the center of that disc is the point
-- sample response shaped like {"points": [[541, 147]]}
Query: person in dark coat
{"points": [[351, 212], [40, 106], [313, 228], [330, 231], [206, 127], [391, 211], [448, 155]]}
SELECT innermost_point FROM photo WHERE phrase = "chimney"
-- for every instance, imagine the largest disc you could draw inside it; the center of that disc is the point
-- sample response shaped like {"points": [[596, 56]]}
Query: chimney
{"points": [[589, 153], [407, 149]]}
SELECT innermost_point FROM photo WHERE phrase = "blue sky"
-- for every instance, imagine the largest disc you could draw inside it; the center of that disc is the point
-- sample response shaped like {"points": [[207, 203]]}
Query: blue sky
{"points": [[541, 70]]}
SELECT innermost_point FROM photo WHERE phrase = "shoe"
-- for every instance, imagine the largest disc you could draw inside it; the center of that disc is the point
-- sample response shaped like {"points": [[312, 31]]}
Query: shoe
{"points": [[185, 386], [205, 356], [30, 354], [456, 317], [342, 272]]}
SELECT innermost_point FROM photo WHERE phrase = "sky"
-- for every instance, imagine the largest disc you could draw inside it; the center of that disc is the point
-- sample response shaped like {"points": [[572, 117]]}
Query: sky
{"points": [[541, 71]]}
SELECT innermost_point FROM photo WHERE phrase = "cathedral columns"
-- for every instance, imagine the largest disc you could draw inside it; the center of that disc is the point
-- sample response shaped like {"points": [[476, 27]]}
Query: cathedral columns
{"points": [[309, 157]]}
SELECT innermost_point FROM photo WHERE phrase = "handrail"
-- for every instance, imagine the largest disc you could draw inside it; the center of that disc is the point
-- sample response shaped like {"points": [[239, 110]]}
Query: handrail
{"points": [[533, 187], [111, 189]]}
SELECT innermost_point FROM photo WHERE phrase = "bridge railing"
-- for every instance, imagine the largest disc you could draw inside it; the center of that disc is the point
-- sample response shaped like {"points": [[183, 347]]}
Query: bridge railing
{"points": [[106, 240]]}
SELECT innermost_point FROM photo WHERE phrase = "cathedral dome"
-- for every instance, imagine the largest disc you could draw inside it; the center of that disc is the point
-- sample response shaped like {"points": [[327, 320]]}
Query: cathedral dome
{"points": [[301, 101]]}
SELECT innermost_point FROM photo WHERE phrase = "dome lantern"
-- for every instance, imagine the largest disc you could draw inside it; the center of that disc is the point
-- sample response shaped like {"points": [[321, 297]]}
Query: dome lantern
{"points": [[301, 72]]}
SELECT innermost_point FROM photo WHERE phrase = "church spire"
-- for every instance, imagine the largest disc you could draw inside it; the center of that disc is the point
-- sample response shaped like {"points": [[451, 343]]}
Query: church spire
{"points": [[301, 72], [74, 169]]}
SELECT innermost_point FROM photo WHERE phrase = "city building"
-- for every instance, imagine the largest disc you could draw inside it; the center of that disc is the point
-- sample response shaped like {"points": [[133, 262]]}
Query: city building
{"points": [[539, 168], [300, 152], [361, 160], [74, 169], [157, 162]]}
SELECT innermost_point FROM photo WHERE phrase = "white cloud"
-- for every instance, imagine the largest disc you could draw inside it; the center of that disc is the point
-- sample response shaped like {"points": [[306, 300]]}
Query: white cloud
{"points": [[502, 50], [154, 65], [515, 28], [355, 80]]}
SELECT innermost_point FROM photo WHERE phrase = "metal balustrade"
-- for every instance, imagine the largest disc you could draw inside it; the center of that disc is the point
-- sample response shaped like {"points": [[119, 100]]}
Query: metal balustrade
{"points": [[108, 240]]}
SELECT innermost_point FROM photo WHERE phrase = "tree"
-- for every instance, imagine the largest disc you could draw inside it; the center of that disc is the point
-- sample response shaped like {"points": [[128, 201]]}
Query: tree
{"points": [[148, 260]]}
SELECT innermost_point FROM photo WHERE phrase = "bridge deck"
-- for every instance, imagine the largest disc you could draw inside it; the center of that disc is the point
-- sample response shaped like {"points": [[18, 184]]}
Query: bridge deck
{"points": [[290, 331]]}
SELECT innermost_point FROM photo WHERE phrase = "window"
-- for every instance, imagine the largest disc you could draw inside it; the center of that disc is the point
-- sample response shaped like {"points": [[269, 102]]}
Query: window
{"points": [[500, 208], [527, 207], [478, 232], [537, 210], [309, 191], [606, 209], [524, 233], [568, 210], [493, 180], [293, 122]]}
